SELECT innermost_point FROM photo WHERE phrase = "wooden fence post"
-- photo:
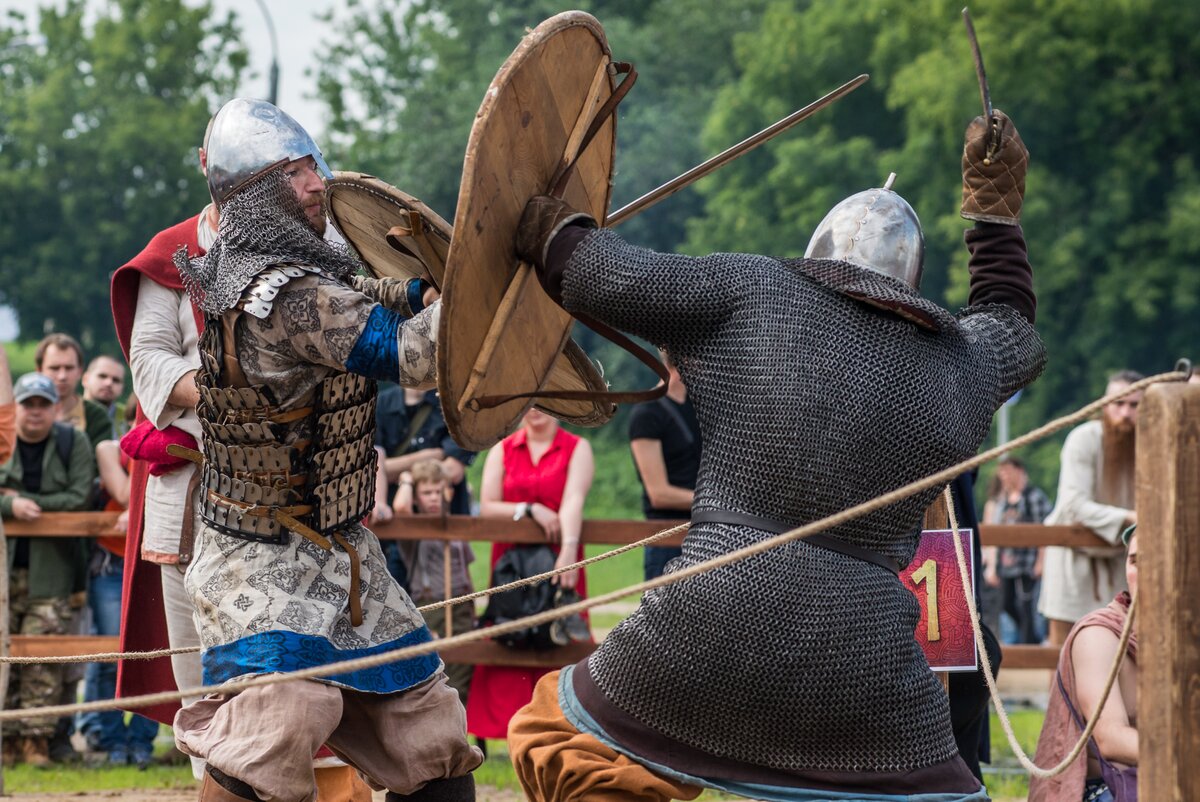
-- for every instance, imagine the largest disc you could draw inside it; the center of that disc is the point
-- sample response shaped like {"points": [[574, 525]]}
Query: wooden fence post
{"points": [[1168, 507]]}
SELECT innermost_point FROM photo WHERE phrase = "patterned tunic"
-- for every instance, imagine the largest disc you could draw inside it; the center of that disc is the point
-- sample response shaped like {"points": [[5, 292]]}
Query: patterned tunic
{"points": [[263, 607]]}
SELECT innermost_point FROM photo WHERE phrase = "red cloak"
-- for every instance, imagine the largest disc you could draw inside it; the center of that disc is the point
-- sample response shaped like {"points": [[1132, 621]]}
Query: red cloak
{"points": [[143, 619]]}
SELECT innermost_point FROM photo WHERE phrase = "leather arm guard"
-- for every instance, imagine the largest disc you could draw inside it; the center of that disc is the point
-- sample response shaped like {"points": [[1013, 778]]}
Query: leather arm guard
{"points": [[993, 182], [402, 295]]}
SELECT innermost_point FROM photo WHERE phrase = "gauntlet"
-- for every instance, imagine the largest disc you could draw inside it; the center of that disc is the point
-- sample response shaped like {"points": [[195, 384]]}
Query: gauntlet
{"points": [[993, 182], [543, 218]]}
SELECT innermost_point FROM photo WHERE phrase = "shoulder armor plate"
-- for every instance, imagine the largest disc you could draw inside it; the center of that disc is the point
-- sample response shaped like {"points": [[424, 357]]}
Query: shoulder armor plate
{"points": [[259, 296]]}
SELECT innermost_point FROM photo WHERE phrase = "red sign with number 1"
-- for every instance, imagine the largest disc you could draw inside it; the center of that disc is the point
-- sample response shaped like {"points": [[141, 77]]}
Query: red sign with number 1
{"points": [[944, 631]]}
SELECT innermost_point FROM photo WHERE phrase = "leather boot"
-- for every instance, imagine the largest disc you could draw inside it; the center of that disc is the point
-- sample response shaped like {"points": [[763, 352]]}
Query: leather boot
{"points": [[35, 751], [220, 787], [455, 789], [341, 784]]}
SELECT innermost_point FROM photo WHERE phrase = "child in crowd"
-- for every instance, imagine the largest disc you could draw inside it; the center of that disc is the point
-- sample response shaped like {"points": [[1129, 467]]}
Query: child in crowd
{"points": [[437, 569]]}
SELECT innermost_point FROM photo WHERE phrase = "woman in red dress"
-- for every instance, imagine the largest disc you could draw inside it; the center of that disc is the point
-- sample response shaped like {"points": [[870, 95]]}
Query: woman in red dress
{"points": [[542, 472]]}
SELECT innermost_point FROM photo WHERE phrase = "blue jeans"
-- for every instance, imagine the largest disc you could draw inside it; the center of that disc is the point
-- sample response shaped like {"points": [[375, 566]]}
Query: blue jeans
{"points": [[108, 729], [655, 559]]}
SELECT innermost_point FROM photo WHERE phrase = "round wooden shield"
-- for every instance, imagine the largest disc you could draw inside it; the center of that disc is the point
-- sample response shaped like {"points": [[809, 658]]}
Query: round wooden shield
{"points": [[396, 235], [500, 333]]}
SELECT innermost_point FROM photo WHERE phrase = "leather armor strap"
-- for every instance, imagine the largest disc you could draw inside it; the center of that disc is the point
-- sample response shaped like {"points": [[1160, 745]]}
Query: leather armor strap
{"points": [[778, 528], [356, 614], [183, 452], [284, 515], [230, 364], [187, 533]]}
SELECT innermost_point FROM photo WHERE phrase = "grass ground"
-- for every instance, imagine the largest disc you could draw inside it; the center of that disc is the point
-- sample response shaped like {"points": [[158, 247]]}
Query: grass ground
{"points": [[1006, 781]]}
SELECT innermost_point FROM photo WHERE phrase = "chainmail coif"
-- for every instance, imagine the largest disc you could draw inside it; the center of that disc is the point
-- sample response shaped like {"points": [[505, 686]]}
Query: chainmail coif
{"points": [[809, 402], [262, 225]]}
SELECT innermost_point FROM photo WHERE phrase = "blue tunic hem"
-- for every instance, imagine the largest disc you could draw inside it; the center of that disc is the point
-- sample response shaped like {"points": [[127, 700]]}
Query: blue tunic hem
{"points": [[280, 651]]}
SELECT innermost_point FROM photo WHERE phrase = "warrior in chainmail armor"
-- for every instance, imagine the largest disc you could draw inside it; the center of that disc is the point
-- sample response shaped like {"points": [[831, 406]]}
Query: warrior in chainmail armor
{"points": [[285, 576], [819, 383]]}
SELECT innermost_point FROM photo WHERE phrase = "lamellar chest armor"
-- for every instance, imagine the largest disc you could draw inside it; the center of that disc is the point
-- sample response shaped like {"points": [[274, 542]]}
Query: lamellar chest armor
{"points": [[267, 470]]}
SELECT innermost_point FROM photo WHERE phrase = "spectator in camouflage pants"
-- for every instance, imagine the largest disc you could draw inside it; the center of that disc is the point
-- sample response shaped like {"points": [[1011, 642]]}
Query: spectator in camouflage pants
{"points": [[51, 470]]}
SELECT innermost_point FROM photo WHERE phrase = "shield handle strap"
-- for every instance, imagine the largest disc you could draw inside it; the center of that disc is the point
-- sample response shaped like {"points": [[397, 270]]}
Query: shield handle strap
{"points": [[558, 184], [417, 230], [615, 397]]}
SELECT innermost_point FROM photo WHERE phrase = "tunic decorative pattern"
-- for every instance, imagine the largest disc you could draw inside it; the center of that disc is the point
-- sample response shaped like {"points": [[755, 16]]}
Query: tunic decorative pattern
{"points": [[265, 608]]}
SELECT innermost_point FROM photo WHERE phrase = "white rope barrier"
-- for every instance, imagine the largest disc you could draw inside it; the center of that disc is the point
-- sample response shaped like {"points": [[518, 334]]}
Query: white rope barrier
{"points": [[986, 663], [937, 479]]}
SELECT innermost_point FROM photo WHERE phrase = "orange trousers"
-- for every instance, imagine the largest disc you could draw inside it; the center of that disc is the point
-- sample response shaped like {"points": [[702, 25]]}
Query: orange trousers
{"points": [[556, 762], [341, 784]]}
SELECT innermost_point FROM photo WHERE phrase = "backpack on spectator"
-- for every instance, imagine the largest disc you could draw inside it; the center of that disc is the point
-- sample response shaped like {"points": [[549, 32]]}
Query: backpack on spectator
{"points": [[64, 442], [517, 563]]}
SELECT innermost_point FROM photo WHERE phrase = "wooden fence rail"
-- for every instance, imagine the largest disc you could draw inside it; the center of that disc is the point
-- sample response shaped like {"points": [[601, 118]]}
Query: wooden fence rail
{"points": [[456, 527]]}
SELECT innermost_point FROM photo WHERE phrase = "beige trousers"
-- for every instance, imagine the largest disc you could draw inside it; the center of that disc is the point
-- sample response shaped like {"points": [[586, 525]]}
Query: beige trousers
{"points": [[266, 736]]}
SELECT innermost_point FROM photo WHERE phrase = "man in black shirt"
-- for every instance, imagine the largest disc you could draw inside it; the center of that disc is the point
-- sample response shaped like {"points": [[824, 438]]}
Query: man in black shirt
{"points": [[664, 437]]}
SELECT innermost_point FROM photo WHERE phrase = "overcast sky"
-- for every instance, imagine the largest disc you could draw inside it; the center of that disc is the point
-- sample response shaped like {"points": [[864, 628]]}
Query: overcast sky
{"points": [[299, 38]]}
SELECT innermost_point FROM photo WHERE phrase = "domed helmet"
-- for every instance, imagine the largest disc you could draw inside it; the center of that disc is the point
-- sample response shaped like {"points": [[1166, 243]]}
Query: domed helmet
{"points": [[250, 137], [875, 229]]}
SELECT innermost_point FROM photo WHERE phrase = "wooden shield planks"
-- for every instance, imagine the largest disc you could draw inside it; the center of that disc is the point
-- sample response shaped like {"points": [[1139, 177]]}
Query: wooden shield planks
{"points": [[500, 334], [396, 235]]}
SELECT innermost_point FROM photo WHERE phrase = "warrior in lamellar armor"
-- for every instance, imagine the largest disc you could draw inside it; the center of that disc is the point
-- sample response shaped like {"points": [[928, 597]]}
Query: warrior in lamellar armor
{"points": [[819, 384], [285, 576]]}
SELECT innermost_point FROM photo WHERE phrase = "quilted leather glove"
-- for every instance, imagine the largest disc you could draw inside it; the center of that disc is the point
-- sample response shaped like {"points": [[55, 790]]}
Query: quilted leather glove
{"points": [[543, 218], [993, 183]]}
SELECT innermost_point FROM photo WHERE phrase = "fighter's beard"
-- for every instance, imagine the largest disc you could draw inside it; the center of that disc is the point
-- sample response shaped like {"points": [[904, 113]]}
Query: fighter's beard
{"points": [[1119, 449]]}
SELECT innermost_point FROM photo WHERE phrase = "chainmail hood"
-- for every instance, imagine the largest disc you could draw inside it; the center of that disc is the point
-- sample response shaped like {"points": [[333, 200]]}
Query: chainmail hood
{"points": [[261, 225]]}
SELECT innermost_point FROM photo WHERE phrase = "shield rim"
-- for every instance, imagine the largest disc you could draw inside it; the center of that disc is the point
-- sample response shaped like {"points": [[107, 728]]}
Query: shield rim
{"points": [[459, 422], [347, 180]]}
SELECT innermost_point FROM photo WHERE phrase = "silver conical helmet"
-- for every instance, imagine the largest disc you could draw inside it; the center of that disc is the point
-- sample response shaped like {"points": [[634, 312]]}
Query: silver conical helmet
{"points": [[248, 138], [875, 229]]}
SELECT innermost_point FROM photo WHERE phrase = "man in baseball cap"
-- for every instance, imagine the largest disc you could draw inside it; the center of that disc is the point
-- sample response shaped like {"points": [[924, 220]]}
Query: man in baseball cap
{"points": [[34, 385], [51, 470]]}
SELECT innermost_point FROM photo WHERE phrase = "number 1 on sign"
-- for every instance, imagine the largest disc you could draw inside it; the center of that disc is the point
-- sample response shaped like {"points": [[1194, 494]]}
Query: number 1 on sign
{"points": [[927, 573]]}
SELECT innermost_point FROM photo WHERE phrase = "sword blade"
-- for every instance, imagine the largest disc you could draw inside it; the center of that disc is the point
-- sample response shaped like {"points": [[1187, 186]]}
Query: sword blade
{"points": [[724, 157], [985, 94]]}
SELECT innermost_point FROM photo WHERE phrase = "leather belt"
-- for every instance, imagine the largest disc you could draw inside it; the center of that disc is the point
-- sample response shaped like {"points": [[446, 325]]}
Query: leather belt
{"points": [[778, 527]]}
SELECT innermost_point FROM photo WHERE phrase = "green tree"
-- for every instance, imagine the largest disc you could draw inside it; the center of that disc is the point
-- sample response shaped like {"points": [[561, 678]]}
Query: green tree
{"points": [[100, 117], [404, 79], [1101, 92]]}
